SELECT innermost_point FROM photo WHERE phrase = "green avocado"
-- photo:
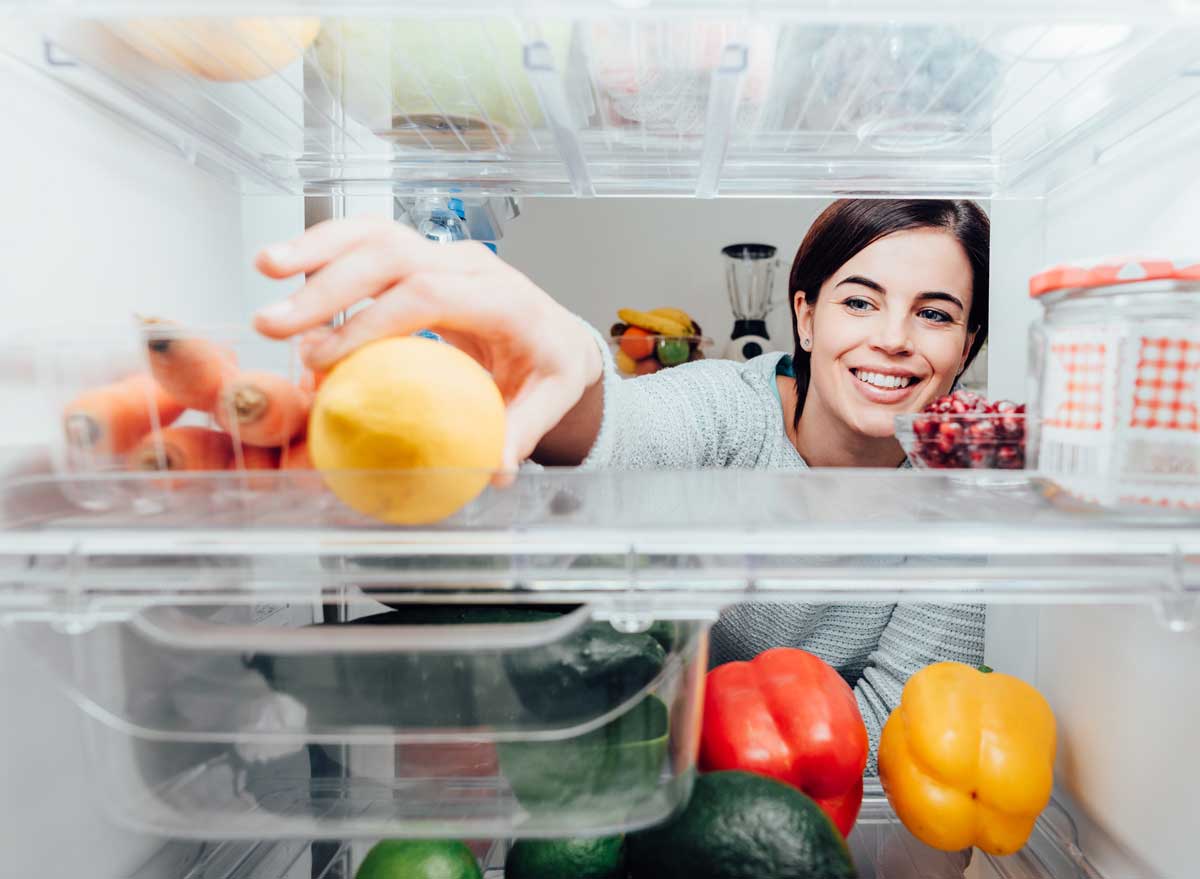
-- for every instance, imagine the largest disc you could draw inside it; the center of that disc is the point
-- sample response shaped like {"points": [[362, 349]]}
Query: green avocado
{"points": [[419, 859], [599, 858], [738, 825], [605, 772]]}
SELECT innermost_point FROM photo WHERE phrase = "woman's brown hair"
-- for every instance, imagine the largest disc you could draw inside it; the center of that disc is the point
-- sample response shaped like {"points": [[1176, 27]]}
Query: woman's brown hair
{"points": [[849, 225]]}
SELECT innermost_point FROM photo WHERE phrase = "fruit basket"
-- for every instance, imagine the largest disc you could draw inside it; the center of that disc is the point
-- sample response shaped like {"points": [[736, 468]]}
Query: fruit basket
{"points": [[965, 431], [644, 342], [647, 353]]}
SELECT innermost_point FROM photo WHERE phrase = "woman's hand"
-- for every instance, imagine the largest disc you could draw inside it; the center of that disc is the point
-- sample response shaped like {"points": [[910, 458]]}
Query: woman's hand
{"points": [[541, 357]]}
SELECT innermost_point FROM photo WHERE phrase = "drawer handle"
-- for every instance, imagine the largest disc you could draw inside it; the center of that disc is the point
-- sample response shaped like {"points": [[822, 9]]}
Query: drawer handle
{"points": [[173, 628]]}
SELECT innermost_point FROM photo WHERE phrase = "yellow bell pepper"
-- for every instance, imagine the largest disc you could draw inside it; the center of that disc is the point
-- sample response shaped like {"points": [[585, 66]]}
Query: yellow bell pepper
{"points": [[967, 758]]}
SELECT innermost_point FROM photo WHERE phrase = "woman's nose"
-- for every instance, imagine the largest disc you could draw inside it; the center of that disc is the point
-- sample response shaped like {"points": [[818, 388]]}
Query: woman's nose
{"points": [[892, 337]]}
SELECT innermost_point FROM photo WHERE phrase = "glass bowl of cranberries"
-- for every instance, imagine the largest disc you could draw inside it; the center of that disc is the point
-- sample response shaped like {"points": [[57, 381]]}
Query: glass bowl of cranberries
{"points": [[964, 430]]}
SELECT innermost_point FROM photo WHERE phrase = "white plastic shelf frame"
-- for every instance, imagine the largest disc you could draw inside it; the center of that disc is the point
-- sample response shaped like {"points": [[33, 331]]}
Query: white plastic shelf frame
{"points": [[880, 846], [671, 99], [635, 543]]}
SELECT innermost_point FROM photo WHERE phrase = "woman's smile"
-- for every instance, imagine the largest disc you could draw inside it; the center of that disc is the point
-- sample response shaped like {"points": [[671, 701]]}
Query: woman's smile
{"points": [[884, 385]]}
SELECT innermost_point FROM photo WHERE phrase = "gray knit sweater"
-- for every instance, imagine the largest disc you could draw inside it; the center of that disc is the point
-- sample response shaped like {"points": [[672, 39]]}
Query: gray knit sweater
{"points": [[717, 413]]}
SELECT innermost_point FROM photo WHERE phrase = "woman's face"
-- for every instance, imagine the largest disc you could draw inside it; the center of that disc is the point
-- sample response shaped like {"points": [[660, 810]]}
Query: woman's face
{"points": [[889, 329]]}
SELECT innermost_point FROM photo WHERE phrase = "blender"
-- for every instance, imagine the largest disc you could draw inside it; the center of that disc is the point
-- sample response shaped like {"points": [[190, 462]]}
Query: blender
{"points": [[749, 276]]}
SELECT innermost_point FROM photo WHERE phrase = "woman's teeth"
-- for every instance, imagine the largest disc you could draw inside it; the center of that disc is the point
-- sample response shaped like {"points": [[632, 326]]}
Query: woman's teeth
{"points": [[887, 382]]}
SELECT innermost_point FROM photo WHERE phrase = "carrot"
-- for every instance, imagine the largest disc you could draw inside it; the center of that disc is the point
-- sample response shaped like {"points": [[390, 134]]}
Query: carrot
{"points": [[112, 419], [311, 380], [262, 409], [259, 458], [183, 448], [189, 368], [295, 456]]}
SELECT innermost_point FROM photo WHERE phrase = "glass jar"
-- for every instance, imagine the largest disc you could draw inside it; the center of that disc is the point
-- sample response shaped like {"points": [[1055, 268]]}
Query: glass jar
{"points": [[1115, 366]]}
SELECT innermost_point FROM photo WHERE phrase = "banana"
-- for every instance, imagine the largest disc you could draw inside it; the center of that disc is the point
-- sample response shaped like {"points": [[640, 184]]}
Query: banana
{"points": [[625, 364], [655, 323], [676, 314]]}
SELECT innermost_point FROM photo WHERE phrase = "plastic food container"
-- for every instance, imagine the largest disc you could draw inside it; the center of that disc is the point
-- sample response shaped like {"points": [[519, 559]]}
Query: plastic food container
{"points": [[976, 441], [656, 75], [1116, 373], [660, 352], [468, 722], [903, 88]]}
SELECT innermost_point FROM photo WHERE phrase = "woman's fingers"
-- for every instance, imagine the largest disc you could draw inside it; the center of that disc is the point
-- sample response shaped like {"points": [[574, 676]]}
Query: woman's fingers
{"points": [[318, 245], [400, 311], [347, 262], [360, 274]]}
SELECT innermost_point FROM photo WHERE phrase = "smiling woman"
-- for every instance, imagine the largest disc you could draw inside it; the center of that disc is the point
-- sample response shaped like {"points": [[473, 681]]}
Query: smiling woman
{"points": [[889, 307]]}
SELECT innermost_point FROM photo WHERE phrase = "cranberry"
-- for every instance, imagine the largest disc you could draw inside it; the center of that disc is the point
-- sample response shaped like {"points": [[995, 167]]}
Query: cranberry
{"points": [[981, 431], [925, 428], [950, 436], [1000, 407], [930, 455], [1012, 426], [1010, 457], [981, 457]]}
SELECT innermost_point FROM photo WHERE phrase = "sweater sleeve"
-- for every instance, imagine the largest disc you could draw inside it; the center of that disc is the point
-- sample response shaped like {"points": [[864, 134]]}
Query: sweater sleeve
{"points": [[692, 416], [916, 636]]}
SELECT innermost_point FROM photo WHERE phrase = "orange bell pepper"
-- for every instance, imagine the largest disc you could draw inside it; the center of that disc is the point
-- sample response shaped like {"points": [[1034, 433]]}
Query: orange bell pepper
{"points": [[967, 758]]}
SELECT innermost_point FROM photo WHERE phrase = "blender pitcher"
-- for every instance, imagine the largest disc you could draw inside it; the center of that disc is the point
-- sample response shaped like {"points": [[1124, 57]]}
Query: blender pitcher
{"points": [[749, 277]]}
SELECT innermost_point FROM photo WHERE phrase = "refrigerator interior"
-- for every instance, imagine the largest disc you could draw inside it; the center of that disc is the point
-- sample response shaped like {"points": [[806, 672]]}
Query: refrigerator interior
{"points": [[143, 189]]}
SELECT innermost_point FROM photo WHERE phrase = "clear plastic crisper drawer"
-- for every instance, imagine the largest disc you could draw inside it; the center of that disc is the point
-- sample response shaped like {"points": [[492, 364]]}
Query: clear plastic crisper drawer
{"points": [[425, 720], [676, 99]]}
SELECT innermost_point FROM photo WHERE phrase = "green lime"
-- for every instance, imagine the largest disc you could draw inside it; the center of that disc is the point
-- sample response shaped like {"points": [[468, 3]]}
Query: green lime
{"points": [[419, 859], [672, 352], [601, 858]]}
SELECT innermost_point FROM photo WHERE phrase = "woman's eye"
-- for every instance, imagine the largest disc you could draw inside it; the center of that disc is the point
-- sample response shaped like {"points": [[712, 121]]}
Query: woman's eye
{"points": [[857, 303], [934, 315]]}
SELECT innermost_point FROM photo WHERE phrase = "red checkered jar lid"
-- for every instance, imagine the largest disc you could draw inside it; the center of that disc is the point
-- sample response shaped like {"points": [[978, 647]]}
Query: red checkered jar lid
{"points": [[1121, 272]]}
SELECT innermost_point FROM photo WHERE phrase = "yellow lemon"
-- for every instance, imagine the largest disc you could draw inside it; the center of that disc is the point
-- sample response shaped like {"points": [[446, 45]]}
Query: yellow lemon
{"points": [[221, 49], [407, 430]]}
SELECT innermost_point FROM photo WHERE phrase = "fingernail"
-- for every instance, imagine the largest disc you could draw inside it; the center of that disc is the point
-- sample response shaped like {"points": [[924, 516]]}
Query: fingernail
{"points": [[276, 310], [277, 253]]}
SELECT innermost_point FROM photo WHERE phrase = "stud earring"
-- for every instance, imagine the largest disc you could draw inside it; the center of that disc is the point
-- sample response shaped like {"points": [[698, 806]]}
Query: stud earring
{"points": [[806, 344]]}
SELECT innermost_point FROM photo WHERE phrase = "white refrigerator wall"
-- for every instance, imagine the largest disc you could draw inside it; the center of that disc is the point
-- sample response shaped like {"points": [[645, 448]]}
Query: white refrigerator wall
{"points": [[1123, 687], [98, 225], [1122, 684]]}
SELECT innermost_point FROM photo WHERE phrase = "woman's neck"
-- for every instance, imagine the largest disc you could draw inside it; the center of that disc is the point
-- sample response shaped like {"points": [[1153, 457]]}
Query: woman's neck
{"points": [[824, 441]]}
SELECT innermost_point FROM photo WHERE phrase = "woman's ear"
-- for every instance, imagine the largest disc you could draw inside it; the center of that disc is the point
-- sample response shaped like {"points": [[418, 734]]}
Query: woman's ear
{"points": [[804, 315]]}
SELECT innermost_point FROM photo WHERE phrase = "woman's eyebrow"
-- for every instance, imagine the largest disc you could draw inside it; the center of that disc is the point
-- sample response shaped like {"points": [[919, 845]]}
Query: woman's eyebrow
{"points": [[941, 297], [863, 282], [936, 295]]}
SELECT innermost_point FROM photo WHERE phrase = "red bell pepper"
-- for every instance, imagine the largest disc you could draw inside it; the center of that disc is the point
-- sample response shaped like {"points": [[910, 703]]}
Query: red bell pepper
{"points": [[788, 715]]}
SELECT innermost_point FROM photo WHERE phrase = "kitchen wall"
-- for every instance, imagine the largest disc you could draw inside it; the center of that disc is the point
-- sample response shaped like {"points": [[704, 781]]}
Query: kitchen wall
{"points": [[596, 256], [599, 255]]}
